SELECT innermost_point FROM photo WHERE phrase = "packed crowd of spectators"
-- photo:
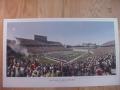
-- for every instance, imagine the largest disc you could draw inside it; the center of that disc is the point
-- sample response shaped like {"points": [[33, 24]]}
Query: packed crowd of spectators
{"points": [[89, 66]]}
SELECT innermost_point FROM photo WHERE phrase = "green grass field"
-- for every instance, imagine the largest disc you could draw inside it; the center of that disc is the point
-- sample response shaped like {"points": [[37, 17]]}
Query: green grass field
{"points": [[64, 55]]}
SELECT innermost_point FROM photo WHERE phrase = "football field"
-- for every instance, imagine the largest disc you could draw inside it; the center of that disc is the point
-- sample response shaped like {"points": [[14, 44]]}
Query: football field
{"points": [[65, 56]]}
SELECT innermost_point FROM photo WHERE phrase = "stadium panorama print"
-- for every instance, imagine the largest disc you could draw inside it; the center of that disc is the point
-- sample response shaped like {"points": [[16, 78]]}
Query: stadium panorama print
{"points": [[60, 48]]}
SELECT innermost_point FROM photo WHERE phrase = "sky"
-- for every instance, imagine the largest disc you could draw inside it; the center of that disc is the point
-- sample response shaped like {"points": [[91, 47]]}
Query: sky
{"points": [[68, 32]]}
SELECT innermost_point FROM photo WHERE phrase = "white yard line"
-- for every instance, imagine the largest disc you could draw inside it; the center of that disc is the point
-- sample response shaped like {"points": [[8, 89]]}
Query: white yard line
{"points": [[55, 59], [59, 60], [76, 58], [51, 59]]}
